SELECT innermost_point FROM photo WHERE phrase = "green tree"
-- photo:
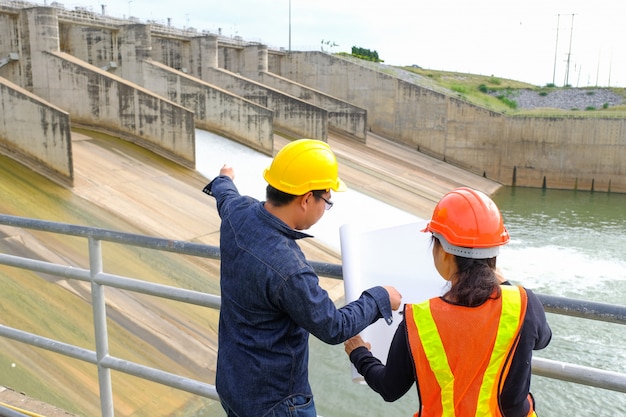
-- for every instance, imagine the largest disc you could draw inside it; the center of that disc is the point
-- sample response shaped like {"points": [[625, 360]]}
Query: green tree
{"points": [[365, 54]]}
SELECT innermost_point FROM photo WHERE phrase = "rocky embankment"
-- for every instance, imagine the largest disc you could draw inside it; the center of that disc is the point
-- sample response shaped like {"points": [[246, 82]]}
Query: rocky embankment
{"points": [[565, 99]]}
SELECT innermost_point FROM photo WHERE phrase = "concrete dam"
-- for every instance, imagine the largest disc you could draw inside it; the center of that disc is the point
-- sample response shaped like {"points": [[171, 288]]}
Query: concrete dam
{"points": [[79, 90], [153, 85]]}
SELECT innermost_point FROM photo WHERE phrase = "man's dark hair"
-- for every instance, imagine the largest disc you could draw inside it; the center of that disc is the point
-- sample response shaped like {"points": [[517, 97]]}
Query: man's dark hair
{"points": [[280, 198], [319, 193], [277, 197]]}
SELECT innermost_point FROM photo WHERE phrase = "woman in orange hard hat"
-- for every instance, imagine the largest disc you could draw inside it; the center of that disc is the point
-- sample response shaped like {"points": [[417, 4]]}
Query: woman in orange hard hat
{"points": [[470, 350]]}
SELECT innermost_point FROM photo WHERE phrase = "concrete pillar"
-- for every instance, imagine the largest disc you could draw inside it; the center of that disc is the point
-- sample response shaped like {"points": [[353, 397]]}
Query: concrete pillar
{"points": [[135, 48], [34, 132], [203, 55], [9, 48], [40, 33], [254, 61]]}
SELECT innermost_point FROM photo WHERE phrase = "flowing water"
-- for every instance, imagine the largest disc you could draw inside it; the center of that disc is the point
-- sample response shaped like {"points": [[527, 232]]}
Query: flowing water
{"points": [[565, 243]]}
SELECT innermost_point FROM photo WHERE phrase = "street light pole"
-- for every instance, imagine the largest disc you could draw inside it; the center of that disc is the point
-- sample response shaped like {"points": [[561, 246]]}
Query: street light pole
{"points": [[289, 25]]}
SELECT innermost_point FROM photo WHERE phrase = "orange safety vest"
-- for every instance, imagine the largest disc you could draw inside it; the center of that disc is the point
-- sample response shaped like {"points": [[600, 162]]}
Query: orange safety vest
{"points": [[462, 354]]}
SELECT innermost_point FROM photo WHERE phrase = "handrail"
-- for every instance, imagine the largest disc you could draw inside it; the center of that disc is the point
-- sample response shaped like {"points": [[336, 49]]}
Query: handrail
{"points": [[99, 279], [9, 411]]}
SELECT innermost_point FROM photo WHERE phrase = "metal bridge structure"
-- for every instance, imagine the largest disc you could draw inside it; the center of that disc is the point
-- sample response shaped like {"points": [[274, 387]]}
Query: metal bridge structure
{"points": [[99, 280]]}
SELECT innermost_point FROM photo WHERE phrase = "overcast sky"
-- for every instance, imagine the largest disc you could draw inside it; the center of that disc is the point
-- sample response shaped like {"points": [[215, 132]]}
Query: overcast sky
{"points": [[529, 41]]}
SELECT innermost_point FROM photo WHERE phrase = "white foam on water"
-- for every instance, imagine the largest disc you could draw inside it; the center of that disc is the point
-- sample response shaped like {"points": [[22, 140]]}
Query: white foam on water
{"points": [[565, 271]]}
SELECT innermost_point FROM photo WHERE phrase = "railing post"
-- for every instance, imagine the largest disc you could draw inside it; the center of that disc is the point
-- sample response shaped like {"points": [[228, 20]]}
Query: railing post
{"points": [[100, 327]]}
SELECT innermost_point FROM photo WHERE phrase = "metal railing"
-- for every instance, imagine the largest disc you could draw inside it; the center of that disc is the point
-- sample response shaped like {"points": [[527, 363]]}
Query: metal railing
{"points": [[99, 280]]}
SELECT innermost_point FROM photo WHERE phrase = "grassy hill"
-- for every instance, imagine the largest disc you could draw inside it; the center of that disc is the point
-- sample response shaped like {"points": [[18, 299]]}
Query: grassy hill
{"points": [[499, 94]]}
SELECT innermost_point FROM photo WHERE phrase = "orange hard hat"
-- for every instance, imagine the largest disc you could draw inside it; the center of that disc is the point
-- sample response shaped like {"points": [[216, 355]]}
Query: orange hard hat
{"points": [[469, 224]]}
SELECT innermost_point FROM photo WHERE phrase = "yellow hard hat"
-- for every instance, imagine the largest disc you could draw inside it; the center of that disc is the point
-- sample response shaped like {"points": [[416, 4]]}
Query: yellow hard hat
{"points": [[304, 165]]}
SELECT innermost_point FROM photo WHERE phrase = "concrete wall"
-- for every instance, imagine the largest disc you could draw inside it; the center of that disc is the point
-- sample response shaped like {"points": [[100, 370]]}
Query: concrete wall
{"points": [[343, 117], [396, 109], [229, 58], [151, 60], [172, 51], [160, 64], [308, 92], [96, 99], [9, 44], [215, 109], [274, 59], [110, 104], [97, 46], [35, 133], [586, 154], [122, 51], [567, 153], [292, 116], [204, 55]]}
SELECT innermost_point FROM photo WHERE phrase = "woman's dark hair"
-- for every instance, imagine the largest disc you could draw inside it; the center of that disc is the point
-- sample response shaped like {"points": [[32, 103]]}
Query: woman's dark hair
{"points": [[280, 198], [475, 282]]}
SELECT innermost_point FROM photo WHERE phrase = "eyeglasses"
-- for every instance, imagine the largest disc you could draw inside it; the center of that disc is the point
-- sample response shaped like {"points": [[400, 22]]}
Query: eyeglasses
{"points": [[329, 204], [318, 194]]}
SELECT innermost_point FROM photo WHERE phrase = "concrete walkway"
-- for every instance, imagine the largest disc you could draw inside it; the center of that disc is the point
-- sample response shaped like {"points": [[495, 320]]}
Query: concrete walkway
{"points": [[21, 403]]}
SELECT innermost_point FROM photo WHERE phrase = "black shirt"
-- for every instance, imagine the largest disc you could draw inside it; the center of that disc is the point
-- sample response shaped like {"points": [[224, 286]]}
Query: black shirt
{"points": [[395, 378]]}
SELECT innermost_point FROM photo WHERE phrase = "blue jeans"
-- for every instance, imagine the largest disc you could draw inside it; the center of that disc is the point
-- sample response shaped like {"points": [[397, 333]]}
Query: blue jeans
{"points": [[298, 406]]}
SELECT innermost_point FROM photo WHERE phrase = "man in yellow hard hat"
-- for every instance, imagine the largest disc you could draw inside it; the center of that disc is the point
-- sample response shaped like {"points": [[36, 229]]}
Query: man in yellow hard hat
{"points": [[271, 297]]}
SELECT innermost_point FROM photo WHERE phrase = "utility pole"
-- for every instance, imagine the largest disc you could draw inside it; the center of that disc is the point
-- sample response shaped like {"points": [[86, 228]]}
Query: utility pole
{"points": [[558, 18], [569, 54], [610, 69], [598, 69], [289, 25]]}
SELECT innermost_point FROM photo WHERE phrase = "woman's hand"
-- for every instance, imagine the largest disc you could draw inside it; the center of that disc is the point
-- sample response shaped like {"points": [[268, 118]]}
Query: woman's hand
{"points": [[354, 343]]}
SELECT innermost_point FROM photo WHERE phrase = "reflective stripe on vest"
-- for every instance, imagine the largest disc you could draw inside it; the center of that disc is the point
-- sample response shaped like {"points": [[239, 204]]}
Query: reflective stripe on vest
{"points": [[490, 343]]}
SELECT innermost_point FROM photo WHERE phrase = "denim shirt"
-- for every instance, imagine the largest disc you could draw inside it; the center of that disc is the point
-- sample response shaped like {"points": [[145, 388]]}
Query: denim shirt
{"points": [[271, 301]]}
